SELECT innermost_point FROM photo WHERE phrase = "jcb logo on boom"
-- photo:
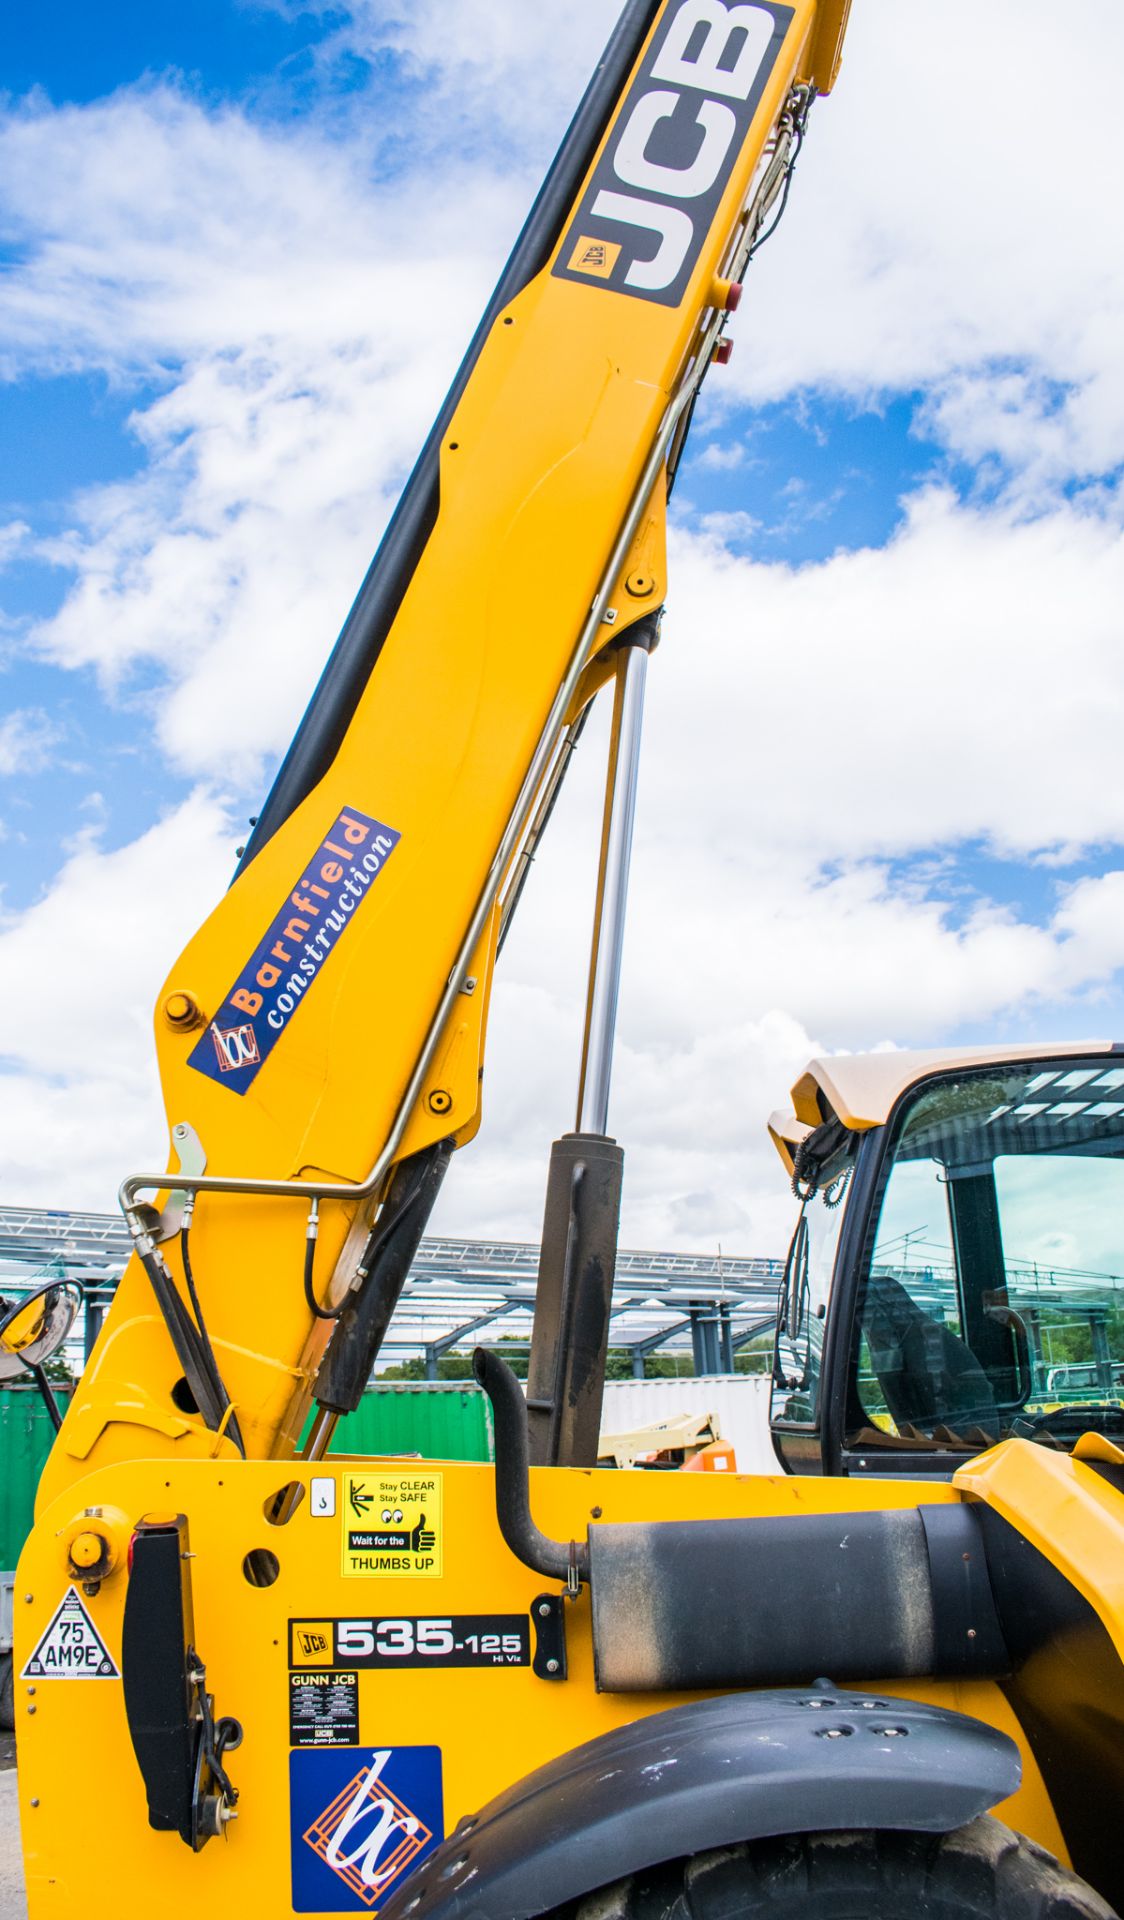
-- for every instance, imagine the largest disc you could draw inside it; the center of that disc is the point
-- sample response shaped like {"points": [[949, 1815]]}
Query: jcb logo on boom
{"points": [[645, 214]]}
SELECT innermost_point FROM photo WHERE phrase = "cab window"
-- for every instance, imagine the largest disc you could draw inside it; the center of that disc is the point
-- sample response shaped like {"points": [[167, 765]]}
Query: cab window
{"points": [[805, 1291], [992, 1295]]}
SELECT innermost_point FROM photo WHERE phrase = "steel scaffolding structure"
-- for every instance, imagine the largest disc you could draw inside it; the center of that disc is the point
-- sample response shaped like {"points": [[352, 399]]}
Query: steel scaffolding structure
{"points": [[710, 1305]]}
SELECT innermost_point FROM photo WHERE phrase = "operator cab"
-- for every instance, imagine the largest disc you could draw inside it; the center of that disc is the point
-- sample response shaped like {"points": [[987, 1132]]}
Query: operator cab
{"points": [[956, 1276]]}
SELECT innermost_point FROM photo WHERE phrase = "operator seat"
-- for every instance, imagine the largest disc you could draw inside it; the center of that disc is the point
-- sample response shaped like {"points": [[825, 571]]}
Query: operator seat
{"points": [[929, 1376]]}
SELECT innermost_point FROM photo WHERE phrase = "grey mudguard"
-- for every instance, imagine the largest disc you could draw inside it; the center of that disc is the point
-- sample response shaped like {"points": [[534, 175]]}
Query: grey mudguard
{"points": [[706, 1775]]}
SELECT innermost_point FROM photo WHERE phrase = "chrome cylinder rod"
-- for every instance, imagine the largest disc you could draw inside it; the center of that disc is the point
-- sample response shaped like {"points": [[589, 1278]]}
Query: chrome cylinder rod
{"points": [[612, 890]]}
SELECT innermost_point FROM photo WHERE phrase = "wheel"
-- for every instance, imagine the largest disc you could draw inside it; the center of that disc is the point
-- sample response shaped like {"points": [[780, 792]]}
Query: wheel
{"points": [[7, 1694], [982, 1869]]}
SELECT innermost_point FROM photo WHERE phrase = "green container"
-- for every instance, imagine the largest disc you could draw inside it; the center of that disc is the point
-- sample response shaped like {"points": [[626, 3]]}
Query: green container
{"points": [[26, 1437], [438, 1420]]}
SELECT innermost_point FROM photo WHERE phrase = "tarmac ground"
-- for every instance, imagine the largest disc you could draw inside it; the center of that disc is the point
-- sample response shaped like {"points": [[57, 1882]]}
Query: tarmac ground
{"points": [[13, 1905]]}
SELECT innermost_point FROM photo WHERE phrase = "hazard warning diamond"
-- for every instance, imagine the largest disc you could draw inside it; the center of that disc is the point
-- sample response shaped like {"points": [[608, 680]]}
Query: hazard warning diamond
{"points": [[72, 1648]]}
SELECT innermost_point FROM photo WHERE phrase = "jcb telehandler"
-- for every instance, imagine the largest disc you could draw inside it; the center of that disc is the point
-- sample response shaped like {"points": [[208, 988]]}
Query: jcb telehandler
{"points": [[254, 1677]]}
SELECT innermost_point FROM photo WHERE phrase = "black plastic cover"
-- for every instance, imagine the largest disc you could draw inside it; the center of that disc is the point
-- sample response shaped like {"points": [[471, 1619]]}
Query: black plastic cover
{"points": [[156, 1632], [573, 1300], [712, 1774], [774, 1600]]}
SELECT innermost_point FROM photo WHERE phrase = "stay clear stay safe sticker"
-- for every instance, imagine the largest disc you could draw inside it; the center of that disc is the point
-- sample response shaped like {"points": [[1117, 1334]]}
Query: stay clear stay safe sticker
{"points": [[392, 1524]]}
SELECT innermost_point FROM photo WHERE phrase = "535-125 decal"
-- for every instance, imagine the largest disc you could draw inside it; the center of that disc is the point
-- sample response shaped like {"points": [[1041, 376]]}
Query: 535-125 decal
{"points": [[446, 1640]]}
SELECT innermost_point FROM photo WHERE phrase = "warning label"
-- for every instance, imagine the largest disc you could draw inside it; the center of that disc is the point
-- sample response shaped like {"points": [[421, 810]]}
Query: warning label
{"points": [[323, 1709], [392, 1524], [72, 1648]]}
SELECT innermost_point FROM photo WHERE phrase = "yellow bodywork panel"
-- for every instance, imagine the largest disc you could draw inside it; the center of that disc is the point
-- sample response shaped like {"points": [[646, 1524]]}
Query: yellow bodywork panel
{"points": [[82, 1800], [351, 915], [380, 1612]]}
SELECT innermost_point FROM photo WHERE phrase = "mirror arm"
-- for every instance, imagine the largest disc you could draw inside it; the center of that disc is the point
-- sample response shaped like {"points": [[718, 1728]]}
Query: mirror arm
{"points": [[39, 1376]]}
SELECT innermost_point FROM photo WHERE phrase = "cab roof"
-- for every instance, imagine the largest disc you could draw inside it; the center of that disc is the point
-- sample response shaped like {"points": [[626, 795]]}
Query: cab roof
{"points": [[860, 1089]]}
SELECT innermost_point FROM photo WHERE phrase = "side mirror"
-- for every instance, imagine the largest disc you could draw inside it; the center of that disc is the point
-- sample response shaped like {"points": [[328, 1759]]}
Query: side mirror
{"points": [[34, 1328]]}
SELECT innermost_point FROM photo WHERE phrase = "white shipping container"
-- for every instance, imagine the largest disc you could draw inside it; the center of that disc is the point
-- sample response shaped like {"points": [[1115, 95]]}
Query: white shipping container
{"points": [[739, 1403]]}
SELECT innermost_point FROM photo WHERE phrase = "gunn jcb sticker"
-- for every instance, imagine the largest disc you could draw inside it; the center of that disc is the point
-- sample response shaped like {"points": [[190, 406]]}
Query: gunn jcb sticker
{"points": [[643, 219], [392, 1524]]}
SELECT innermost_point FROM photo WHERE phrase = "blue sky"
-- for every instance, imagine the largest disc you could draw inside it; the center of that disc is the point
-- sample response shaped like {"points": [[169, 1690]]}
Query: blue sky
{"points": [[221, 51], [242, 248]]}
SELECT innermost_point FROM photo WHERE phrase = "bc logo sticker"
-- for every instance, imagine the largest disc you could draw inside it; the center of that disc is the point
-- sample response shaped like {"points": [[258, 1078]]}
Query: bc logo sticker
{"points": [[359, 1823], [288, 960], [643, 219], [392, 1524]]}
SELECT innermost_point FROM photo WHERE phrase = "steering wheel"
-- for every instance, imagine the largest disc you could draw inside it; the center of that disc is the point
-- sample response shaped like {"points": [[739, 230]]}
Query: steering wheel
{"points": [[1099, 1416]]}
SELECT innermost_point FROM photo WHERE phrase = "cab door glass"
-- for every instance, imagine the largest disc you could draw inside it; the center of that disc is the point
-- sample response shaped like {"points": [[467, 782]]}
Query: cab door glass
{"points": [[991, 1298], [913, 1365], [1063, 1225], [802, 1308]]}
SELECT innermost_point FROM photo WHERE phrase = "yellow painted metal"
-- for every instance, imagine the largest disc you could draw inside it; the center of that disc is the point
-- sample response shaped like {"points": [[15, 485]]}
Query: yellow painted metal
{"points": [[1065, 1509], [826, 49], [536, 473], [82, 1803]]}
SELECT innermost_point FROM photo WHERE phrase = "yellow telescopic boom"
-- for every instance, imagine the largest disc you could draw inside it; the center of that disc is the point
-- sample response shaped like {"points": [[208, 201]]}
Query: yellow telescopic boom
{"points": [[381, 1654]]}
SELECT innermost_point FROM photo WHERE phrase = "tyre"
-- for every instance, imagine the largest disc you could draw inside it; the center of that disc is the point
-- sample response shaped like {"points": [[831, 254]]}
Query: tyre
{"points": [[7, 1694], [982, 1869]]}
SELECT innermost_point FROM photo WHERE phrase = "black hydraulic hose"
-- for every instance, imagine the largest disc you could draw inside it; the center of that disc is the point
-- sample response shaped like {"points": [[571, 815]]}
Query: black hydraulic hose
{"points": [[315, 1309], [200, 1370], [557, 1559], [366, 1310], [232, 1427], [387, 1222], [39, 1376]]}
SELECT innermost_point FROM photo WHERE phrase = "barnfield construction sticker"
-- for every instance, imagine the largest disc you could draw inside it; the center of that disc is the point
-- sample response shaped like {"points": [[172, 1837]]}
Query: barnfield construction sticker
{"points": [[72, 1648], [392, 1524]]}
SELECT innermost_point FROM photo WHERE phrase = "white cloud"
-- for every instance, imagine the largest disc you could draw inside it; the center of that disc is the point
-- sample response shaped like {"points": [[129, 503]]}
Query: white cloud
{"points": [[306, 329], [79, 1101], [301, 308], [963, 682], [13, 536], [26, 738], [947, 227], [488, 77]]}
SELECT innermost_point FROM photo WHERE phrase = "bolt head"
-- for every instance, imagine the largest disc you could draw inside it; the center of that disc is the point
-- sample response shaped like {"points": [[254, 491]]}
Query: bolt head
{"points": [[182, 1011], [551, 1667], [87, 1549]]}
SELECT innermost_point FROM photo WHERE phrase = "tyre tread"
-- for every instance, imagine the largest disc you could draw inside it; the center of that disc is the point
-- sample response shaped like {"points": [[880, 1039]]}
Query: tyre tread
{"points": [[982, 1871]]}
